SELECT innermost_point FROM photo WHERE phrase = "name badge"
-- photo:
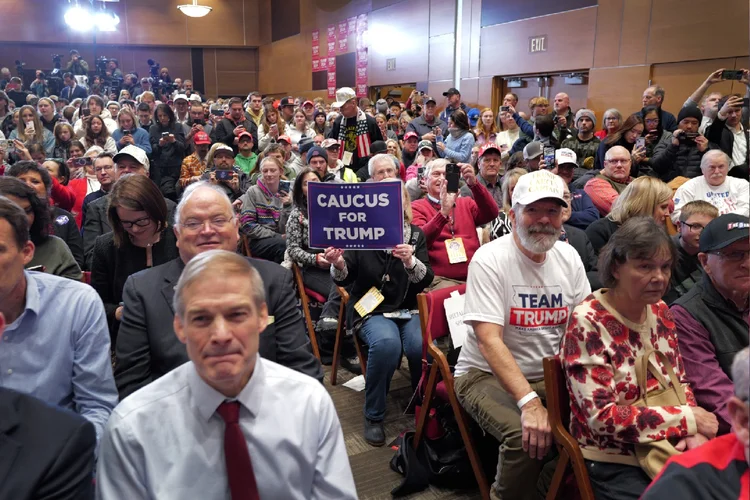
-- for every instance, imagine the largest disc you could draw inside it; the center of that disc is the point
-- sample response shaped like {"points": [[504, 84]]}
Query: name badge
{"points": [[347, 158], [369, 302], [456, 250]]}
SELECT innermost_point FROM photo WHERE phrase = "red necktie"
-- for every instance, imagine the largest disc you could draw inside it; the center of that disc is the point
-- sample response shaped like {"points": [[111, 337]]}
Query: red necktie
{"points": [[242, 483]]}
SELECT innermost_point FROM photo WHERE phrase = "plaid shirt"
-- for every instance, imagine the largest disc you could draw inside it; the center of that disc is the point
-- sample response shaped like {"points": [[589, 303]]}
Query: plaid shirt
{"points": [[192, 166]]}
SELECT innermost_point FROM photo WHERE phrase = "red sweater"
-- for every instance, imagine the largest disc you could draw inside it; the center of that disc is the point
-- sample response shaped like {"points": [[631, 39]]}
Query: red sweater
{"points": [[62, 196], [467, 215], [79, 188]]}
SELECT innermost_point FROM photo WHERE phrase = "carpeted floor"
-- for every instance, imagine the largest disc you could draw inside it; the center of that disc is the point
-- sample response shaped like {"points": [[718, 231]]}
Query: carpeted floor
{"points": [[372, 474]]}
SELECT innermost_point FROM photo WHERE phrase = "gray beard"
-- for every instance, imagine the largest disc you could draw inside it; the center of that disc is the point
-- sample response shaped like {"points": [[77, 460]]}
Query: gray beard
{"points": [[538, 242]]}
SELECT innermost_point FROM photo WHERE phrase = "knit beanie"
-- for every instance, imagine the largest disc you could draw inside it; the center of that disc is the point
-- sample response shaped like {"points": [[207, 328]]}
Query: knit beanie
{"points": [[587, 113], [690, 111]]}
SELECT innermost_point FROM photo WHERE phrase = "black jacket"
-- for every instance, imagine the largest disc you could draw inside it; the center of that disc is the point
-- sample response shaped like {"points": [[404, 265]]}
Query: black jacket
{"points": [[224, 132], [45, 452], [166, 161], [366, 269], [600, 231], [148, 348], [577, 239], [372, 130], [674, 161], [719, 134], [111, 267], [64, 227]]}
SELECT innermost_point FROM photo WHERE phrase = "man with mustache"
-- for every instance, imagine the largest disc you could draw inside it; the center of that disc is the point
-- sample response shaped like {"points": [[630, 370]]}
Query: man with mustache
{"points": [[146, 345], [611, 181], [519, 294]]}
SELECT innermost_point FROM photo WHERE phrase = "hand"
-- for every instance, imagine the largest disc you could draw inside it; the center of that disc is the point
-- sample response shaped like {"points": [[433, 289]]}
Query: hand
{"points": [[639, 154], [714, 77], [404, 252], [706, 422], [690, 442], [676, 137], [238, 130], [171, 138], [562, 122], [702, 143], [447, 200], [732, 102], [503, 148], [212, 178], [441, 146], [118, 313], [21, 150], [237, 205], [2, 153], [162, 142], [745, 77], [542, 163], [536, 432], [428, 137], [511, 110], [423, 184], [274, 131], [467, 172], [321, 261], [235, 182], [335, 256]]}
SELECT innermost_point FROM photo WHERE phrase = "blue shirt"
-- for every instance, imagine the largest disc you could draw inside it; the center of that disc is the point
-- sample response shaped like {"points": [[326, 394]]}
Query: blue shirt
{"points": [[57, 350]]}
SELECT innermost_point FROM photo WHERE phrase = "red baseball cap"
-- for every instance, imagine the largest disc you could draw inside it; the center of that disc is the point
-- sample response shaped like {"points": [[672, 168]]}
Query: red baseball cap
{"points": [[284, 138], [308, 102], [409, 135], [201, 138], [490, 146], [245, 134]]}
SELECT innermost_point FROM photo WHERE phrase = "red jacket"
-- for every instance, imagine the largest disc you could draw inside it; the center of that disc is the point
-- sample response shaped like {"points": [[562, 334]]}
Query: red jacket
{"points": [[79, 188], [467, 215], [62, 196]]}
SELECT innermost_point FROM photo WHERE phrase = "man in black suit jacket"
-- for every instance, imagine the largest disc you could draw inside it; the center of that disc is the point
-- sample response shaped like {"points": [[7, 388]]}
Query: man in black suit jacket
{"points": [[72, 90], [147, 346], [45, 452]]}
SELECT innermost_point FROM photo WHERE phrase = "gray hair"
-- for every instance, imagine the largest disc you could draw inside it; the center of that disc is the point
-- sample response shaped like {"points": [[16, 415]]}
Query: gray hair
{"points": [[430, 165], [658, 91], [214, 261], [190, 191], [612, 112], [382, 157], [510, 176], [710, 154], [741, 374]]}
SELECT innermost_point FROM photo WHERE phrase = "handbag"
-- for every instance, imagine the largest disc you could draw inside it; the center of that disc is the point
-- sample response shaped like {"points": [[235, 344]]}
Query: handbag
{"points": [[654, 455]]}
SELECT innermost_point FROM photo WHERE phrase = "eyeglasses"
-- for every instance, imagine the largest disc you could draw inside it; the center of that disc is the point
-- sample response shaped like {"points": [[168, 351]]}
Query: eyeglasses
{"points": [[108, 168], [216, 224], [695, 228], [618, 161], [733, 257], [652, 121], [142, 222]]}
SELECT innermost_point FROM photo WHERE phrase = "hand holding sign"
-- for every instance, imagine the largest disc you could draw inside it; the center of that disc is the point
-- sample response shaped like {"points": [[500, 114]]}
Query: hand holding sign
{"points": [[404, 252], [336, 257]]}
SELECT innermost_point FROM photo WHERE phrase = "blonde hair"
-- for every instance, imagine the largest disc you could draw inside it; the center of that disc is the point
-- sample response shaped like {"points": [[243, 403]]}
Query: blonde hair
{"points": [[398, 148], [698, 207], [640, 198], [480, 126], [408, 214], [510, 176]]}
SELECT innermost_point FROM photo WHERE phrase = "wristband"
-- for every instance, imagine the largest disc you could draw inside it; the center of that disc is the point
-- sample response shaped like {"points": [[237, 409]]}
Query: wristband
{"points": [[526, 399]]}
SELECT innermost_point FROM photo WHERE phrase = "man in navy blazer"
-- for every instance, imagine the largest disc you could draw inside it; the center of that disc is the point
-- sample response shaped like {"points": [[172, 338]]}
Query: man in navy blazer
{"points": [[72, 90], [45, 451], [147, 346]]}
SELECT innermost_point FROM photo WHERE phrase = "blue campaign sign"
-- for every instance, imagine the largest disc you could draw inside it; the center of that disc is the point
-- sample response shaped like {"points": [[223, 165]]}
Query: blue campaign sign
{"points": [[355, 216]]}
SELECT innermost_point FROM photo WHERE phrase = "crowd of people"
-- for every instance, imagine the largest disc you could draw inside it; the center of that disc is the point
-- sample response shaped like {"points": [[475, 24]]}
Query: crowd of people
{"points": [[599, 245]]}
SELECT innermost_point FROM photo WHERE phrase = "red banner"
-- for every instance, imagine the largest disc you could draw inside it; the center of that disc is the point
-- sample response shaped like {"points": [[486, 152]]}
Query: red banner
{"points": [[361, 90], [343, 29], [331, 78], [331, 92], [332, 63], [343, 46], [332, 48], [362, 58], [315, 51], [361, 23], [323, 63], [362, 75], [316, 64], [352, 24], [331, 33], [316, 37]]}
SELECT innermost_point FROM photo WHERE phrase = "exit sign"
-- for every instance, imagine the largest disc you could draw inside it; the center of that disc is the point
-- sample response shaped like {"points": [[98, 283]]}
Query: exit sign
{"points": [[390, 64], [538, 43]]}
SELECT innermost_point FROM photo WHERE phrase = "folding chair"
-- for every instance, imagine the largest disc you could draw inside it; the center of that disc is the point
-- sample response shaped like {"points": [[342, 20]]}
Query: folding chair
{"points": [[304, 295], [245, 246], [434, 326], [558, 411]]}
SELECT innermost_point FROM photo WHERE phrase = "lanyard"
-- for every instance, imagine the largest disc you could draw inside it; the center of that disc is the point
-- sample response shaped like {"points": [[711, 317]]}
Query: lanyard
{"points": [[386, 278]]}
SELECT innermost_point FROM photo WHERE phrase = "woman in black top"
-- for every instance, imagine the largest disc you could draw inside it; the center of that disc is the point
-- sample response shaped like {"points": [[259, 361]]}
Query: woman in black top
{"points": [[393, 325], [168, 149], [141, 238]]}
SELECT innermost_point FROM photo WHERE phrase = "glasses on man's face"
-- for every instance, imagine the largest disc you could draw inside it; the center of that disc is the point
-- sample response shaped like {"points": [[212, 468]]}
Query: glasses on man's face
{"points": [[617, 161], [194, 225], [142, 222], [108, 168], [694, 228], [734, 257]]}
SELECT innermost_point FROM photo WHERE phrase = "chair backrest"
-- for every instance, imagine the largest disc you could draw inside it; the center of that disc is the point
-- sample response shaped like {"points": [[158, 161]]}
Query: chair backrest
{"points": [[433, 317], [86, 278], [558, 399]]}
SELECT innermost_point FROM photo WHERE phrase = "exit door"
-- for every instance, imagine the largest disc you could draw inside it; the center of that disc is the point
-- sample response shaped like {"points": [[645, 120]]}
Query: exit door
{"points": [[544, 86]]}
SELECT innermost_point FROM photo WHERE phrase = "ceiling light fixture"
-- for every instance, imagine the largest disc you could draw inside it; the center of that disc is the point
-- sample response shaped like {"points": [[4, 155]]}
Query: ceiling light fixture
{"points": [[80, 18], [195, 10]]}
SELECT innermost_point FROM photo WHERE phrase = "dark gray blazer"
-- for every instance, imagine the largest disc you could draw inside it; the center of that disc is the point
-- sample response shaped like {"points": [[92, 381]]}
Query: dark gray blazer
{"points": [[148, 348], [45, 452]]}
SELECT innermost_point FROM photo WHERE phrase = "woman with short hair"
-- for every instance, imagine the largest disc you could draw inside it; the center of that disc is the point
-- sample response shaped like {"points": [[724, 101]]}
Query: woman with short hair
{"points": [[606, 336], [140, 239], [51, 254], [645, 196], [611, 122]]}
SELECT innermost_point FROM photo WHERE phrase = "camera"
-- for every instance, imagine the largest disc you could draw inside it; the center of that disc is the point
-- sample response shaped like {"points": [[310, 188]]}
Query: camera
{"points": [[223, 175], [19, 67], [687, 137], [82, 162]]}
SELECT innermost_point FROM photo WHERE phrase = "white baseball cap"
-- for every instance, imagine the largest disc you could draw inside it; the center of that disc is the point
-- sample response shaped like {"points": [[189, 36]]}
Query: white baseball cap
{"points": [[195, 98], [539, 185], [135, 153], [565, 155], [181, 96], [344, 94]]}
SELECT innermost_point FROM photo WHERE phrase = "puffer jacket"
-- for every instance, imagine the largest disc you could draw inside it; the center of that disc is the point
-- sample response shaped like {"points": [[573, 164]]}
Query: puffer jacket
{"points": [[166, 161], [673, 161]]}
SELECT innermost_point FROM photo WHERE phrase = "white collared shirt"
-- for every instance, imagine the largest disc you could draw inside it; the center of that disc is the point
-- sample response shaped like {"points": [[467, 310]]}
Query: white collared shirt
{"points": [[166, 440]]}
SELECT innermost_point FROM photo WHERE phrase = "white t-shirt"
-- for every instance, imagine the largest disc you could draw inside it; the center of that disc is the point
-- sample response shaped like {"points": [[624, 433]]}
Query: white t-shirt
{"points": [[732, 196], [531, 301]]}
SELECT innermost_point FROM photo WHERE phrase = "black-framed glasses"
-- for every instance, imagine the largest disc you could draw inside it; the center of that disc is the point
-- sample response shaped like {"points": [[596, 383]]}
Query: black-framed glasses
{"points": [[734, 257], [142, 222], [695, 228]]}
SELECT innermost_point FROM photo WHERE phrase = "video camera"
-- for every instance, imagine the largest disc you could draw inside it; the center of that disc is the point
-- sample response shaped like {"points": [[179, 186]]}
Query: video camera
{"points": [[19, 67], [159, 86], [110, 84]]}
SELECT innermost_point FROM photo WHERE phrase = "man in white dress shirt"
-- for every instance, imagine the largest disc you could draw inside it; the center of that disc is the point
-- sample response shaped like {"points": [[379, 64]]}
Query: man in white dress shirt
{"points": [[167, 440]]}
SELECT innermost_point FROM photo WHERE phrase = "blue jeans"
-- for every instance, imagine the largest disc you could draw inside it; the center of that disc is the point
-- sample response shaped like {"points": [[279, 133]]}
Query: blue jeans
{"points": [[384, 338]]}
